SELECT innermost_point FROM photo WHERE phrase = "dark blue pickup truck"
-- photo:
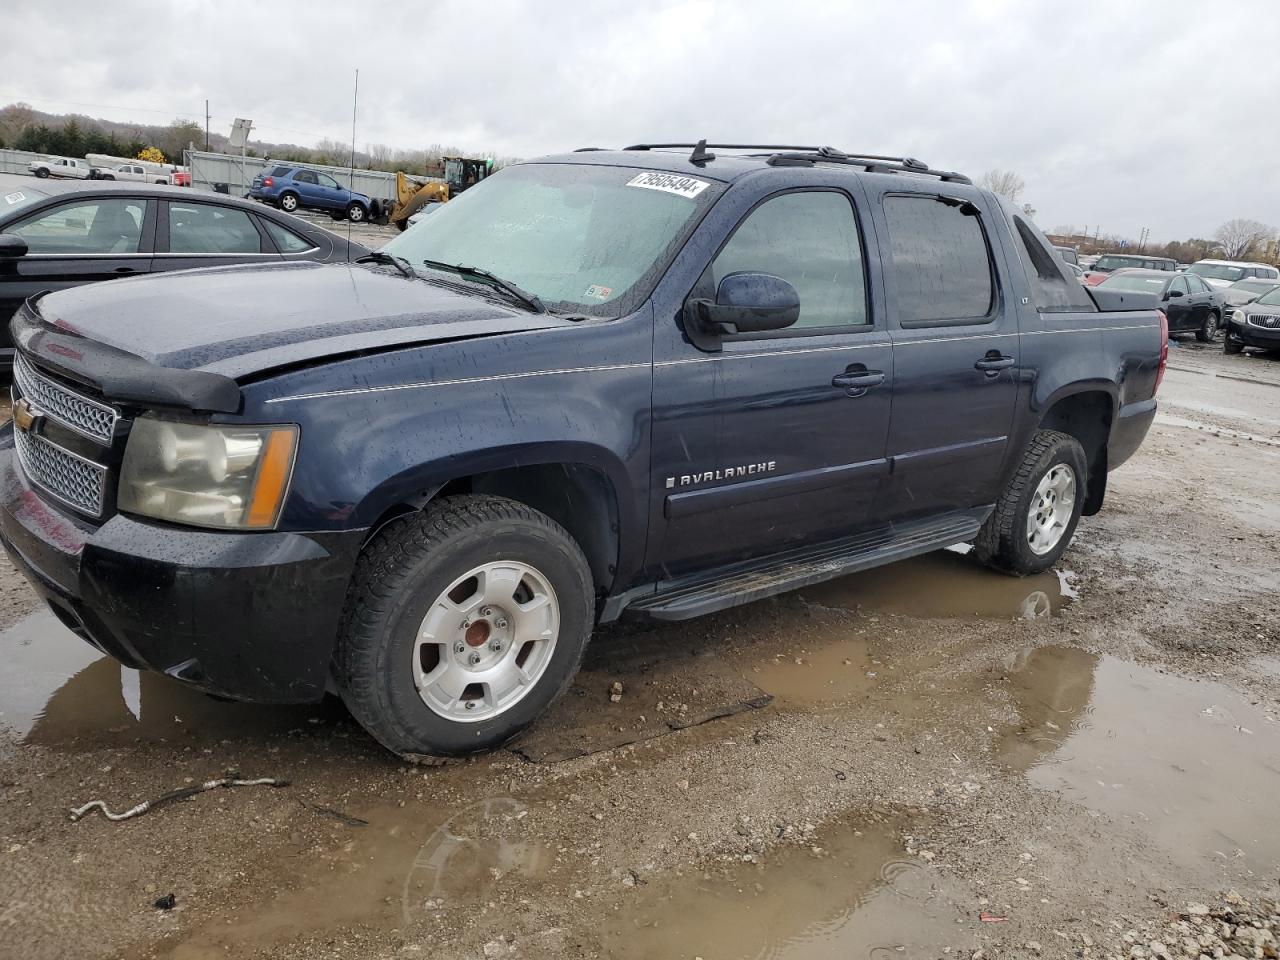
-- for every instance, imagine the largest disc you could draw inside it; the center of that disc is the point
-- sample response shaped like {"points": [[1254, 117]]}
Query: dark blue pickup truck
{"points": [[653, 381]]}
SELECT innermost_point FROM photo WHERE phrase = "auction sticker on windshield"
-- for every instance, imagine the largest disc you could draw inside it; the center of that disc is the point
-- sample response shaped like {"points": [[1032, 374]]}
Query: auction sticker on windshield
{"points": [[14, 197], [687, 187]]}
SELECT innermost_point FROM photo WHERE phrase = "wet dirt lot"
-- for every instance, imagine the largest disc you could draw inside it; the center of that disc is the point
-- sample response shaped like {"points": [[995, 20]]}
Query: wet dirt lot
{"points": [[865, 768]]}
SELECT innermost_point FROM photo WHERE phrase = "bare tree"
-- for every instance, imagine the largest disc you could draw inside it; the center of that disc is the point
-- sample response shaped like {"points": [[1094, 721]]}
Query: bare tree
{"points": [[1004, 183], [1238, 237]]}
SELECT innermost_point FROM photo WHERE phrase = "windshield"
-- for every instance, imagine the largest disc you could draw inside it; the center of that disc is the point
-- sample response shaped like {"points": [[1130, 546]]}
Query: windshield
{"points": [[1111, 262], [1253, 286], [14, 200], [1133, 283], [1216, 271], [1270, 299], [584, 239]]}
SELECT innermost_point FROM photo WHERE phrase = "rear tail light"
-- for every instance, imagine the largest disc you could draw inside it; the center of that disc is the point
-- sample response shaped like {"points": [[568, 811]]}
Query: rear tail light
{"points": [[1164, 349], [267, 181]]}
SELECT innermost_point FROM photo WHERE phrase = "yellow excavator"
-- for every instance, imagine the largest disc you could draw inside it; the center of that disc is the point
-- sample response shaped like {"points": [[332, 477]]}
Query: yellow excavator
{"points": [[414, 193]]}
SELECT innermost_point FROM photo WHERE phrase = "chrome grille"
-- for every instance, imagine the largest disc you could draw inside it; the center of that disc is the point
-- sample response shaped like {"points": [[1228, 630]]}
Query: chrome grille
{"points": [[95, 420], [1266, 320], [75, 481]]}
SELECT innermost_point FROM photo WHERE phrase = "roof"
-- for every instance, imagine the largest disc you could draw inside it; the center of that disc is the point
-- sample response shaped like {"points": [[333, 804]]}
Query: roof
{"points": [[1142, 272], [728, 162], [1235, 263], [53, 188]]}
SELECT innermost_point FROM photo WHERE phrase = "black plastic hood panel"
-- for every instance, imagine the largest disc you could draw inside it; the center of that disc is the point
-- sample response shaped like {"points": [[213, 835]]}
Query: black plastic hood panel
{"points": [[239, 321]]}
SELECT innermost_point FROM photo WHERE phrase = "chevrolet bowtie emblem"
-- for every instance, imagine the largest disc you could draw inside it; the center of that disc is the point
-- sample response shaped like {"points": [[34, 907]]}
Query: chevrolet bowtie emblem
{"points": [[24, 415]]}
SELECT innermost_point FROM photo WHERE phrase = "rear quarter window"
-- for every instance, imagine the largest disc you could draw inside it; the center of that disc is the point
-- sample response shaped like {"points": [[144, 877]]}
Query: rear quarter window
{"points": [[940, 261], [280, 171]]}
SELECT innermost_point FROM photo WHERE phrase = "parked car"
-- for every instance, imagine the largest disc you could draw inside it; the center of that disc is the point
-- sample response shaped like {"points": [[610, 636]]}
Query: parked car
{"points": [[63, 235], [1109, 262], [1256, 324], [134, 172], [1076, 272], [1189, 303], [64, 167], [1069, 254], [1246, 291], [291, 188], [642, 381], [1223, 273]]}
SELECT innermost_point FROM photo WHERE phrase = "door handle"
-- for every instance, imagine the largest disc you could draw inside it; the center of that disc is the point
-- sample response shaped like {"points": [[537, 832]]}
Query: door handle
{"points": [[994, 362], [125, 270], [857, 380]]}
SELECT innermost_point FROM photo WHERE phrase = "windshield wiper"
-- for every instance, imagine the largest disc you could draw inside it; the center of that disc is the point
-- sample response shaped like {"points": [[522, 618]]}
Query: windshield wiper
{"points": [[484, 276], [400, 263]]}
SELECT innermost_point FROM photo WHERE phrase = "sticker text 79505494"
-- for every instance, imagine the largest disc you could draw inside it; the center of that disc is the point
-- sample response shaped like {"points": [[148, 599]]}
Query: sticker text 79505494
{"points": [[687, 187]]}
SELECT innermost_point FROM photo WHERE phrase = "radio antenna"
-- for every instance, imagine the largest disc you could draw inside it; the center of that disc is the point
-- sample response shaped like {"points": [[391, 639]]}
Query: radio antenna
{"points": [[351, 176]]}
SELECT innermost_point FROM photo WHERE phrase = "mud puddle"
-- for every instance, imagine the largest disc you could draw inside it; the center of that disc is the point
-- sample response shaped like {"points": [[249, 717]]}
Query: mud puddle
{"points": [[1191, 763], [57, 691], [403, 871], [855, 897], [946, 584]]}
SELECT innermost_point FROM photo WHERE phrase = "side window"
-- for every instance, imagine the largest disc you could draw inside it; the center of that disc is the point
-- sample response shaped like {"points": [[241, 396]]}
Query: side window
{"points": [[279, 171], [941, 265], [101, 226], [286, 241], [304, 176], [810, 240], [204, 228], [327, 181], [1055, 291], [1178, 285]]}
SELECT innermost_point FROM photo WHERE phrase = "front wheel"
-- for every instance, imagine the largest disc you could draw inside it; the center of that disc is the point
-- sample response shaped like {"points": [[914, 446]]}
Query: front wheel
{"points": [[1037, 513], [1209, 329], [1230, 346], [356, 213], [42, 173], [463, 623]]}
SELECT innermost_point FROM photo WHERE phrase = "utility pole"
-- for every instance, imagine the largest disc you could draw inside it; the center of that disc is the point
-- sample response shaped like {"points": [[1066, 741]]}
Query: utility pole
{"points": [[206, 126]]}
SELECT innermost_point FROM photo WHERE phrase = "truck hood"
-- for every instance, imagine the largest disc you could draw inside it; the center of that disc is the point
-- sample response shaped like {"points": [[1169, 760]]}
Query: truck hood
{"points": [[243, 320]]}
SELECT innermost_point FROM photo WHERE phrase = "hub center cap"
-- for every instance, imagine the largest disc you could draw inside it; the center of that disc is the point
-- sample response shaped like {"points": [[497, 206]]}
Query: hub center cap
{"points": [[477, 634]]}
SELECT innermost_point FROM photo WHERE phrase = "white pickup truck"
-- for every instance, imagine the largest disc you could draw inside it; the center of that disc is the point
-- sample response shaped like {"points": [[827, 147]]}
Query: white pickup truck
{"points": [[131, 171], [61, 167]]}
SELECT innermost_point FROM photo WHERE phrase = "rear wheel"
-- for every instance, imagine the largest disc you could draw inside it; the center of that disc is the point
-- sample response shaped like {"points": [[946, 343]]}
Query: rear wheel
{"points": [[1036, 516], [288, 202], [356, 213], [1209, 329], [463, 624]]}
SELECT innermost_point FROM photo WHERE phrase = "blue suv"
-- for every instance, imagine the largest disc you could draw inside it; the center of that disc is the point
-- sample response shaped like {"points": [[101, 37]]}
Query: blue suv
{"points": [[292, 187]]}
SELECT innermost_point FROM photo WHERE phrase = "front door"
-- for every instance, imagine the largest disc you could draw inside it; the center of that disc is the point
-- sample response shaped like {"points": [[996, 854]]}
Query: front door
{"points": [[955, 351], [779, 438], [76, 242]]}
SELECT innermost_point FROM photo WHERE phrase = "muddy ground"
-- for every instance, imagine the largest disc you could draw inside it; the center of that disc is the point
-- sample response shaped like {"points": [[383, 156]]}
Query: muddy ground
{"points": [[866, 768]]}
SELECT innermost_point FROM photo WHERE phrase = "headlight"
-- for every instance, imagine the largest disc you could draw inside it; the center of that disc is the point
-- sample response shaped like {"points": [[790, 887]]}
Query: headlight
{"points": [[207, 476], [1237, 316]]}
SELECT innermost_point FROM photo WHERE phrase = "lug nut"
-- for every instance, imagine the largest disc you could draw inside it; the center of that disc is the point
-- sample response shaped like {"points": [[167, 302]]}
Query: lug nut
{"points": [[470, 704], [459, 648], [475, 658], [465, 624], [495, 645], [500, 623], [484, 612]]}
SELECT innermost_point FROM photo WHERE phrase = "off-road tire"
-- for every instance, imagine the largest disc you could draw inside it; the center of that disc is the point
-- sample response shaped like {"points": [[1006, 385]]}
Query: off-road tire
{"points": [[399, 575], [1002, 541], [1230, 346], [1209, 329], [356, 213], [286, 199]]}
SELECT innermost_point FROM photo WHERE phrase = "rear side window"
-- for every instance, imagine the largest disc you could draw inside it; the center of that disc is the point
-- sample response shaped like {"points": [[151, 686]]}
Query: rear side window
{"points": [[202, 228], [811, 241], [941, 263], [1055, 291], [286, 241], [280, 172]]}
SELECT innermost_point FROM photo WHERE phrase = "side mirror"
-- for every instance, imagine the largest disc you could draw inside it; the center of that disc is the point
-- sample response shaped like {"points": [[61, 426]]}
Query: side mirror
{"points": [[12, 246], [1176, 293], [749, 303]]}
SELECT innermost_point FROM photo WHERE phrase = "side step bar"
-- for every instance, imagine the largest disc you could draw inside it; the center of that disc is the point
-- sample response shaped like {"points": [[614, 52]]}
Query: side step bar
{"points": [[767, 577]]}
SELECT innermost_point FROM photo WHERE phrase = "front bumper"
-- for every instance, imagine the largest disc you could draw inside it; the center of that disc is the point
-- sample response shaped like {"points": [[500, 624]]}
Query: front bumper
{"points": [[1251, 335], [250, 616]]}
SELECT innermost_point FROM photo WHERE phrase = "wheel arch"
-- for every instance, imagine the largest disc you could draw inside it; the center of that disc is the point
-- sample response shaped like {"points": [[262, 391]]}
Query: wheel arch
{"points": [[1086, 412]]}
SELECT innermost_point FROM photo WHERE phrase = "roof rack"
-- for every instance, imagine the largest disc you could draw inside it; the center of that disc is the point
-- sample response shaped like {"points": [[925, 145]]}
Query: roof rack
{"points": [[790, 155]]}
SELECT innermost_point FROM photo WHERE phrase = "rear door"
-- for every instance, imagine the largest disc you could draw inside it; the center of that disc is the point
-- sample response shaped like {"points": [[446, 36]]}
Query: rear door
{"points": [[768, 441], [74, 242], [192, 233], [955, 350]]}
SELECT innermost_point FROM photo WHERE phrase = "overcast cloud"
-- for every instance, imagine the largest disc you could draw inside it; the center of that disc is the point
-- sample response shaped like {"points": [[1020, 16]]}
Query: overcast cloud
{"points": [[1119, 114]]}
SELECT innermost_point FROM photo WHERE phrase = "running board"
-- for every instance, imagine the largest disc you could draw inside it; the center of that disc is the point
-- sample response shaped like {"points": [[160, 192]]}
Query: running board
{"points": [[757, 579]]}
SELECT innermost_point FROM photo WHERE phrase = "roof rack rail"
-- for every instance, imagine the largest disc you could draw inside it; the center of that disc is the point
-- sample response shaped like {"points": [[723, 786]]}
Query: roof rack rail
{"points": [[870, 164]]}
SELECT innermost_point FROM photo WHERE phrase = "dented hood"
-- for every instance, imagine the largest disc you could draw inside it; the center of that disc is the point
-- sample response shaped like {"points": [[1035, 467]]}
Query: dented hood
{"points": [[239, 321]]}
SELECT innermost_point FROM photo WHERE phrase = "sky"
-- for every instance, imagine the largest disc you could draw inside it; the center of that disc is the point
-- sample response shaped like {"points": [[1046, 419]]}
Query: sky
{"points": [[1118, 115]]}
